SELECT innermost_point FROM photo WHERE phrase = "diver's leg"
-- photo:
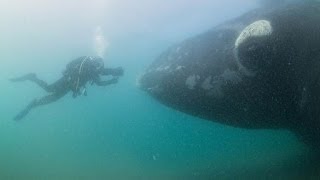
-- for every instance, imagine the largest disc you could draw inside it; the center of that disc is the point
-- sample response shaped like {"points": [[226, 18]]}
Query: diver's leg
{"points": [[33, 77], [42, 101], [50, 98], [24, 78], [25, 111]]}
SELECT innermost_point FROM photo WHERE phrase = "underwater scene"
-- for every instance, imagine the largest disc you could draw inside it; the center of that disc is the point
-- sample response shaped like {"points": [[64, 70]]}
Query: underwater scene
{"points": [[161, 89]]}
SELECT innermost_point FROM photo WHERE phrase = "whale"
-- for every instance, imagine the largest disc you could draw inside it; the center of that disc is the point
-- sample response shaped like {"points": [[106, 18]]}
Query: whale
{"points": [[260, 70]]}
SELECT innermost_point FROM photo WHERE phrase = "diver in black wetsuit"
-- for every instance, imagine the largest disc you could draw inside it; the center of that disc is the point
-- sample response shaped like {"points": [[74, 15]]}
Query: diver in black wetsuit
{"points": [[78, 72]]}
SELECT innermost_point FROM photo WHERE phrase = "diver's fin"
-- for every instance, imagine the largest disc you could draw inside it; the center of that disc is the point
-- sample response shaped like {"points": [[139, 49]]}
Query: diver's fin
{"points": [[29, 76], [24, 112]]}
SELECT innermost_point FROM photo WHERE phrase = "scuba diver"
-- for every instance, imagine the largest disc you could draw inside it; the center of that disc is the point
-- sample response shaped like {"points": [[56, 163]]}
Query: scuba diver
{"points": [[78, 73]]}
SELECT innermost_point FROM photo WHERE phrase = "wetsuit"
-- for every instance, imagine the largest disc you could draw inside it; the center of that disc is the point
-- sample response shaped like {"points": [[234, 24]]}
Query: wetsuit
{"points": [[77, 74]]}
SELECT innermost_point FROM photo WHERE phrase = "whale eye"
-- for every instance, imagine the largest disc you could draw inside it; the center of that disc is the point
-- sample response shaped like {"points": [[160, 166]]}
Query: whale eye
{"points": [[252, 55]]}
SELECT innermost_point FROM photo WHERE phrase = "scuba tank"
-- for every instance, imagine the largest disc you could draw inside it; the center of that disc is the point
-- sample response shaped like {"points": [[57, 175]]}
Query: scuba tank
{"points": [[81, 70]]}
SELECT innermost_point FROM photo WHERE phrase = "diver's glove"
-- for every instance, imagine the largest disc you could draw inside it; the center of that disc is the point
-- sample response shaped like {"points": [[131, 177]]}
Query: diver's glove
{"points": [[117, 71]]}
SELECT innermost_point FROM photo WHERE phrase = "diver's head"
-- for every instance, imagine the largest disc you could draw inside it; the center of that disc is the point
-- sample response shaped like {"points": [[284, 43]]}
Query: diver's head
{"points": [[97, 62]]}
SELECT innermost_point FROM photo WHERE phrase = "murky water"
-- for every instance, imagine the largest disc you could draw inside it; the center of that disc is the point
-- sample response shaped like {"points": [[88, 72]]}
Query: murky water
{"points": [[119, 132]]}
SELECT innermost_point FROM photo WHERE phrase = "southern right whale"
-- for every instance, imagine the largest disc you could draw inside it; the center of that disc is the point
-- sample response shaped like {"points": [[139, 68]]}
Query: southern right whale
{"points": [[260, 70]]}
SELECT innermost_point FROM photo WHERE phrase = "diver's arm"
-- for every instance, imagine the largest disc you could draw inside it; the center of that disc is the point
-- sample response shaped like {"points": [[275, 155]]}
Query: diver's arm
{"points": [[115, 72], [112, 71], [105, 83]]}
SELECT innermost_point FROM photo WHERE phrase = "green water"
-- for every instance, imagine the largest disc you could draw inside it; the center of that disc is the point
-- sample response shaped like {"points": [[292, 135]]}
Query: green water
{"points": [[119, 132]]}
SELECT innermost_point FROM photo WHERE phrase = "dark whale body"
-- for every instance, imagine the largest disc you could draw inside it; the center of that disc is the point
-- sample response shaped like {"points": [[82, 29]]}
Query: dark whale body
{"points": [[261, 70]]}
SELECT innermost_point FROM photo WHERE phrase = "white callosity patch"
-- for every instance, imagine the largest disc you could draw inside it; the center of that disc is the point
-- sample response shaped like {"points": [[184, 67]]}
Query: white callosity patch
{"points": [[191, 81], [231, 76], [179, 68], [166, 68], [256, 29], [163, 68], [155, 89], [213, 85], [226, 76], [206, 85]]}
